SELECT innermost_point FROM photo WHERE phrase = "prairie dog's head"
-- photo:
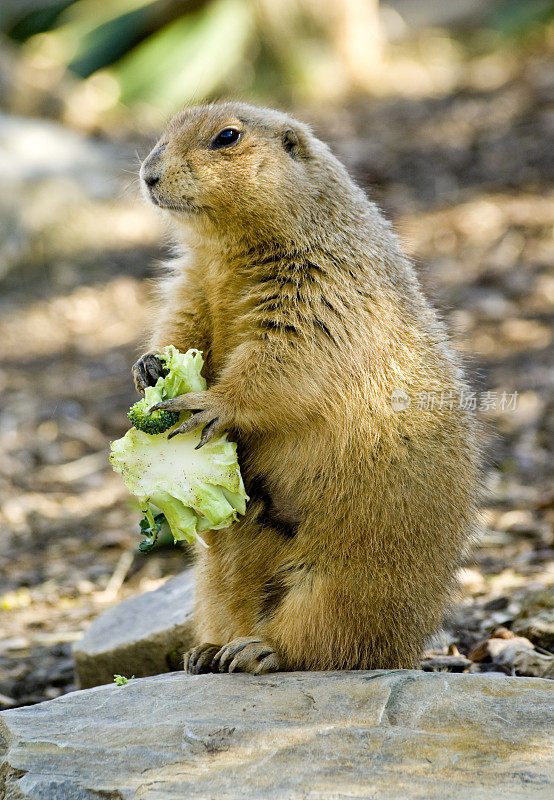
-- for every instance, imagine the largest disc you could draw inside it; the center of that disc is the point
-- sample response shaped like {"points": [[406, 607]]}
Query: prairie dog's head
{"points": [[233, 164]]}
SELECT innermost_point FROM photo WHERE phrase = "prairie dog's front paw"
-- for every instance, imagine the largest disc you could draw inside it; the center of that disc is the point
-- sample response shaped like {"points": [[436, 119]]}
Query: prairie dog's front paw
{"points": [[146, 371], [207, 412]]}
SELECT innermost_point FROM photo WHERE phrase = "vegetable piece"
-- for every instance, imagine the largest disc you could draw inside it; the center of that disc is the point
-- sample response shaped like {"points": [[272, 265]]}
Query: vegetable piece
{"points": [[158, 421], [182, 375], [195, 490], [150, 527], [121, 680], [183, 371]]}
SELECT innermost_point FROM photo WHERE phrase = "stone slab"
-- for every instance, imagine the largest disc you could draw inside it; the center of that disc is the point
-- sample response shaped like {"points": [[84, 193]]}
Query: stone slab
{"points": [[316, 736]]}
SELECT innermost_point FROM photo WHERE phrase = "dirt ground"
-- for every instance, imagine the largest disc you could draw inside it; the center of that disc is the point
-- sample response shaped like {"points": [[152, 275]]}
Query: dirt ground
{"points": [[467, 179]]}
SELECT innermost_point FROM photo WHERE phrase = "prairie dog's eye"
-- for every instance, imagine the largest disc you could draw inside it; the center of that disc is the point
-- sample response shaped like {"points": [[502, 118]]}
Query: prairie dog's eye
{"points": [[225, 138]]}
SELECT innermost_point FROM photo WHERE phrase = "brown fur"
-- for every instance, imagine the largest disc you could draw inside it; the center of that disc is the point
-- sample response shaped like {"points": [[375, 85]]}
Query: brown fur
{"points": [[309, 316]]}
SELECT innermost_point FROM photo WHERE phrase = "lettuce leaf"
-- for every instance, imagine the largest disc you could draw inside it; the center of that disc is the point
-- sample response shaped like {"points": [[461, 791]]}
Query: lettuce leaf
{"points": [[196, 490]]}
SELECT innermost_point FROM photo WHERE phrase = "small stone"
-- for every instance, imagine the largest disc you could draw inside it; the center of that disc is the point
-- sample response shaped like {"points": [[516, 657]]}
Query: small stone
{"points": [[514, 654], [6, 700], [15, 643], [481, 650], [497, 604], [536, 618], [143, 635], [450, 663]]}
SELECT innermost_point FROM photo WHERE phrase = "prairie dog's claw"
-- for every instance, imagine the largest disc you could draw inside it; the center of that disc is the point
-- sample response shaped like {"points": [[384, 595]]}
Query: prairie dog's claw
{"points": [[192, 401], [246, 654], [209, 432], [205, 413], [199, 659], [202, 419]]}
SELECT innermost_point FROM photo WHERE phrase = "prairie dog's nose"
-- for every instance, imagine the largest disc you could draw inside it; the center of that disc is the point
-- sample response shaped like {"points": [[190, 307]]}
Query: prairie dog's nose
{"points": [[150, 170], [150, 180]]}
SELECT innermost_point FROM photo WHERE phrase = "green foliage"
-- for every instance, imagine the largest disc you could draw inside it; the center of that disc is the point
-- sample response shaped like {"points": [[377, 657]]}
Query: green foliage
{"points": [[121, 680], [107, 43], [161, 52], [187, 59], [21, 21], [155, 56], [514, 18], [150, 527]]}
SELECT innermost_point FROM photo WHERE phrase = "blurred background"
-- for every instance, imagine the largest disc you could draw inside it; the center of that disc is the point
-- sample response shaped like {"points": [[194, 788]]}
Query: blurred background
{"points": [[444, 112]]}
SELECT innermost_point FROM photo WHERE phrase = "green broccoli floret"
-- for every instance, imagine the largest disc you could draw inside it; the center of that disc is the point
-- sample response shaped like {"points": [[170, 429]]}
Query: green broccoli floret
{"points": [[156, 422]]}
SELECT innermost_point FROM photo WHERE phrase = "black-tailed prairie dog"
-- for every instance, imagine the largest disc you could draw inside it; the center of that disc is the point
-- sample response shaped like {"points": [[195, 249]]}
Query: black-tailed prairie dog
{"points": [[320, 353]]}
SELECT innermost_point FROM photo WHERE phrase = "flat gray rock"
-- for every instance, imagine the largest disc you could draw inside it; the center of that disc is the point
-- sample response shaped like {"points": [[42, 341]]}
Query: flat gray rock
{"points": [[141, 636], [316, 736]]}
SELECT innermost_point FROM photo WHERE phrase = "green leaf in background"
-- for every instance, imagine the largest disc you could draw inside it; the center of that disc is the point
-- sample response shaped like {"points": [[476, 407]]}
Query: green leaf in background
{"points": [[188, 59], [86, 16], [22, 20], [111, 41], [87, 31], [519, 17]]}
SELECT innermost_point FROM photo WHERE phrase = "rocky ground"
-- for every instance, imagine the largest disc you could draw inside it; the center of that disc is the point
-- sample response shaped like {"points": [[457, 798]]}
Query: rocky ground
{"points": [[467, 178], [300, 735]]}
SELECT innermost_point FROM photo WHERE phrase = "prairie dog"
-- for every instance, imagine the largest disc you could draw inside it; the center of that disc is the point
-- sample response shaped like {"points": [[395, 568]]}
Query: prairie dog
{"points": [[310, 318]]}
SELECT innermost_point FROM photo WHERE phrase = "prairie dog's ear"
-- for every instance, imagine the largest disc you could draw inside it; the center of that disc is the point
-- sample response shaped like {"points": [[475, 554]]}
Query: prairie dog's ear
{"points": [[292, 143]]}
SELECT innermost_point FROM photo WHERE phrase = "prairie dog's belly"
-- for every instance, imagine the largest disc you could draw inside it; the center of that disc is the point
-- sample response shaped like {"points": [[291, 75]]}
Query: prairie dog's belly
{"points": [[277, 469]]}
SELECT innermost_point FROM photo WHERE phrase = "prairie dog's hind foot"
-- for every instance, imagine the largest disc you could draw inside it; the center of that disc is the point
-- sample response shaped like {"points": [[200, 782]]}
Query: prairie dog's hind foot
{"points": [[247, 654], [200, 658], [146, 371]]}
